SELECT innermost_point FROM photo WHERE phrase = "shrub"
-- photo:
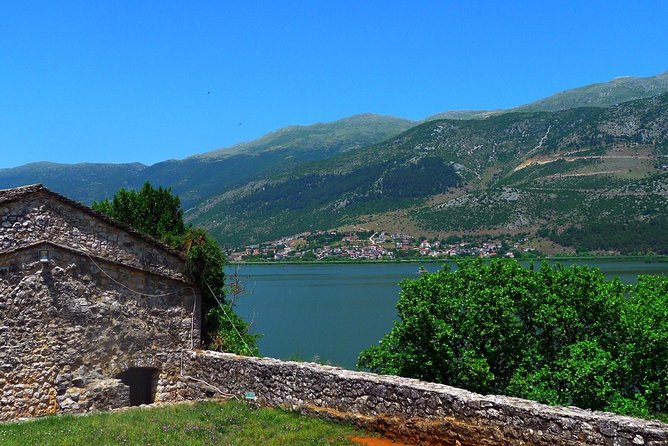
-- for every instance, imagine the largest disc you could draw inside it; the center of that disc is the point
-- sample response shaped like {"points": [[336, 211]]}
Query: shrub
{"points": [[559, 335]]}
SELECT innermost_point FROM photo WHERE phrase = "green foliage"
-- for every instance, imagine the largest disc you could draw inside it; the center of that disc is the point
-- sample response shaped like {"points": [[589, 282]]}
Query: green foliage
{"points": [[646, 318], [627, 236], [410, 254], [309, 256], [224, 329], [228, 332], [205, 264], [554, 334], [157, 212], [428, 176]]}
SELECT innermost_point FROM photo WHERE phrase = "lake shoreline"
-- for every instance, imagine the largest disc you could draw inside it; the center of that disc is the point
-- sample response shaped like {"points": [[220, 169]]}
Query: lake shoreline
{"points": [[647, 259]]}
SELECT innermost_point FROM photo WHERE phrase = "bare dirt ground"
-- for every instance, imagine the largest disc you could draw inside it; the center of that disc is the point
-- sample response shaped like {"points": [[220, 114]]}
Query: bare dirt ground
{"points": [[377, 441]]}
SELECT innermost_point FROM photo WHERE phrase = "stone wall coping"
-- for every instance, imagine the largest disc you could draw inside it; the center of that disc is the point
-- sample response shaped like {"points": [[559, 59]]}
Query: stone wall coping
{"points": [[15, 194], [94, 257], [532, 408]]}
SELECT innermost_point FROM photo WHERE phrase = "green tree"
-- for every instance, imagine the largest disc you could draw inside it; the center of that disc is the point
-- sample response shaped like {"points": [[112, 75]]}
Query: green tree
{"points": [[554, 334], [158, 213]]}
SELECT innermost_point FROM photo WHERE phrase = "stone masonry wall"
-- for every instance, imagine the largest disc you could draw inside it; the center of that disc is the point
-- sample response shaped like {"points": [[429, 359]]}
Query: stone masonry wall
{"points": [[410, 409], [39, 216], [67, 329]]}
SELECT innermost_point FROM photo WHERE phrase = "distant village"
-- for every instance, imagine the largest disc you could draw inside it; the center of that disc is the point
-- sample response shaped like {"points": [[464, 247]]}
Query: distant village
{"points": [[366, 245]]}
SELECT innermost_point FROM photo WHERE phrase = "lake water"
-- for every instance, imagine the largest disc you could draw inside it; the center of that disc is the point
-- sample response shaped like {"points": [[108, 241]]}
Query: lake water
{"points": [[330, 313]]}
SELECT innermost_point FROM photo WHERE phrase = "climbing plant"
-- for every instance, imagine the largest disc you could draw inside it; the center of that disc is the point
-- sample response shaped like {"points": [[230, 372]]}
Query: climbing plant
{"points": [[158, 213]]}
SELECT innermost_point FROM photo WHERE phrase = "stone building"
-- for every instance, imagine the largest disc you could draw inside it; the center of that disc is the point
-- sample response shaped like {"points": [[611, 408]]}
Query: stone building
{"points": [[92, 313]]}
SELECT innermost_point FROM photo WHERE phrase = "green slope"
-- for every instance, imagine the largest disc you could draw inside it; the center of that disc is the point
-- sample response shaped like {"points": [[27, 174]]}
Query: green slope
{"points": [[523, 172], [332, 137], [83, 182], [203, 176], [603, 94]]}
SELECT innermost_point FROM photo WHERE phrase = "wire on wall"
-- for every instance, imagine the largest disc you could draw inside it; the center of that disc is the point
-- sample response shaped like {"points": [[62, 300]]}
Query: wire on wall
{"points": [[248, 349], [127, 287], [192, 315]]}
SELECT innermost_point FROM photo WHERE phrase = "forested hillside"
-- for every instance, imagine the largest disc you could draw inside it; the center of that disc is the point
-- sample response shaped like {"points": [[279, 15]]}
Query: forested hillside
{"points": [[559, 173], [83, 182]]}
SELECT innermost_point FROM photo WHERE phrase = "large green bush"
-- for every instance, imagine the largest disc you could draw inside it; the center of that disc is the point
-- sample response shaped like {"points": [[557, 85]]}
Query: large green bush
{"points": [[559, 335]]}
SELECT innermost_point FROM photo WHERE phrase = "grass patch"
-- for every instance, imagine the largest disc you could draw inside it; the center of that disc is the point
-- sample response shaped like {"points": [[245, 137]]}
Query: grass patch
{"points": [[203, 423]]}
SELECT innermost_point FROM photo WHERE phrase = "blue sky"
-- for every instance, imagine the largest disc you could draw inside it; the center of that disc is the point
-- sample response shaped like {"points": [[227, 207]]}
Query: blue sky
{"points": [[123, 81]]}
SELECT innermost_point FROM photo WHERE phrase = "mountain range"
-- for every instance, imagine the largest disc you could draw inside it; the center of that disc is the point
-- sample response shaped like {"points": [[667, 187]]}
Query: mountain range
{"points": [[585, 168]]}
